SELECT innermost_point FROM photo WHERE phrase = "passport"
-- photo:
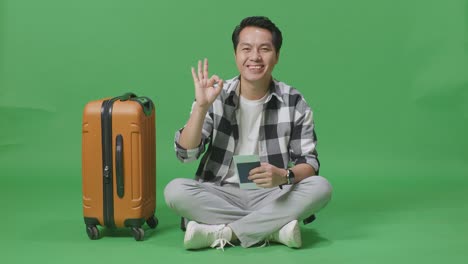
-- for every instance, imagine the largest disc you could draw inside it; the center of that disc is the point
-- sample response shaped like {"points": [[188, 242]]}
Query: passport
{"points": [[243, 164]]}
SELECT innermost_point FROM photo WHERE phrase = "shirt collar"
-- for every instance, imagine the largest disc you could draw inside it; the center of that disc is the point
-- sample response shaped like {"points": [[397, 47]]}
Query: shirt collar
{"points": [[233, 91]]}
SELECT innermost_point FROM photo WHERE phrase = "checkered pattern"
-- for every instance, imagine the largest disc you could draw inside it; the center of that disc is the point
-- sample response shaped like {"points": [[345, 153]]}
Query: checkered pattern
{"points": [[286, 135]]}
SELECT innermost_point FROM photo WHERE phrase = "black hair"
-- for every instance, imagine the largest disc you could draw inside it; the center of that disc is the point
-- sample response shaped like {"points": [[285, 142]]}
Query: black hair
{"points": [[261, 22]]}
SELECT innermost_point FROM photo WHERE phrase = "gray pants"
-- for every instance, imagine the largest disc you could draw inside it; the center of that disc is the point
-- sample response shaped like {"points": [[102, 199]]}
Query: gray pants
{"points": [[251, 214]]}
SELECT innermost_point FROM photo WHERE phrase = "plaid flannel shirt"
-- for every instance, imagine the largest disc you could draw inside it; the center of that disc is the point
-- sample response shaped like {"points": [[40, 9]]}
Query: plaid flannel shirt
{"points": [[286, 135]]}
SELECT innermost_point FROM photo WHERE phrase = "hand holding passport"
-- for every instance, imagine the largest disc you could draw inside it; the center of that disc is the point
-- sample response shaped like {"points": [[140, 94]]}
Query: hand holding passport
{"points": [[244, 164]]}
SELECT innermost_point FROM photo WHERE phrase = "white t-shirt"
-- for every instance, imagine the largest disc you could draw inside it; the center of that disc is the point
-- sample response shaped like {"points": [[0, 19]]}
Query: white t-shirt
{"points": [[249, 116]]}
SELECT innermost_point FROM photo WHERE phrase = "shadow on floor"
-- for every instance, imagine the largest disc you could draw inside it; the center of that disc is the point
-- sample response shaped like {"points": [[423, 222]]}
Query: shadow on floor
{"points": [[312, 239]]}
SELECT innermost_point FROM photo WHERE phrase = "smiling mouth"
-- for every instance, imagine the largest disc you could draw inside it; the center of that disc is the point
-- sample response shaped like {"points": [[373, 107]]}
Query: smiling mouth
{"points": [[255, 67]]}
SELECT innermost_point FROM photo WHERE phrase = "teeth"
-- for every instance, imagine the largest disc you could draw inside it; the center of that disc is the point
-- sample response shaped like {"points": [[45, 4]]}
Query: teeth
{"points": [[255, 67]]}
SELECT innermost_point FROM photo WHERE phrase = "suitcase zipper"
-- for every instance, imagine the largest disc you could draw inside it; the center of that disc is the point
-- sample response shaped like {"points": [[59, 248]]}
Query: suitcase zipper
{"points": [[107, 159], [106, 129]]}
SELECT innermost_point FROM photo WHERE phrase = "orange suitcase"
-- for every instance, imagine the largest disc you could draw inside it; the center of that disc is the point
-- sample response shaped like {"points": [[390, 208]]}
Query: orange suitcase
{"points": [[119, 164]]}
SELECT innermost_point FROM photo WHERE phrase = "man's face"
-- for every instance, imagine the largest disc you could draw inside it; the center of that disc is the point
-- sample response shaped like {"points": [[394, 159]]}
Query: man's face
{"points": [[255, 54]]}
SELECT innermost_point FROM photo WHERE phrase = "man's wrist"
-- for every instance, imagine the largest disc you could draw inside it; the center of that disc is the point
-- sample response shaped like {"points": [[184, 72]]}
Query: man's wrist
{"points": [[290, 177], [285, 177], [201, 108]]}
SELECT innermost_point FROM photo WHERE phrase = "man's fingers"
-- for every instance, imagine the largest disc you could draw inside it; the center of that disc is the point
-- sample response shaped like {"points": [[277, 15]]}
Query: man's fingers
{"points": [[262, 182], [220, 87], [257, 176], [257, 170], [194, 75], [205, 68], [211, 81], [200, 73], [215, 78], [201, 77]]}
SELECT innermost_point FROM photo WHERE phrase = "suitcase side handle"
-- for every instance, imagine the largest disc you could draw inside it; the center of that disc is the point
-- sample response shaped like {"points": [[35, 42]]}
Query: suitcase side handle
{"points": [[119, 165]]}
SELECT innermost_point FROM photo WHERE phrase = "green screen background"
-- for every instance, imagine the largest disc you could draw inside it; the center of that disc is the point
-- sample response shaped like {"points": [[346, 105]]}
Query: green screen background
{"points": [[387, 80]]}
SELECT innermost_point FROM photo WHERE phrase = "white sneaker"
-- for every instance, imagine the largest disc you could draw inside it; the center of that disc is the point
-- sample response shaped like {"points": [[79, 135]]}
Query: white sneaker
{"points": [[203, 236], [289, 235]]}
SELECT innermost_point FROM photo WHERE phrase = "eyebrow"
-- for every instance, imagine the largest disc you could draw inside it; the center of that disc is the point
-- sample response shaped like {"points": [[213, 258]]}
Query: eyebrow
{"points": [[263, 44]]}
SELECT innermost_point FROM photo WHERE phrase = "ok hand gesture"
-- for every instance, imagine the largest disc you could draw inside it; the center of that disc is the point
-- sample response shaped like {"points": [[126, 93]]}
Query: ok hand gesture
{"points": [[205, 92]]}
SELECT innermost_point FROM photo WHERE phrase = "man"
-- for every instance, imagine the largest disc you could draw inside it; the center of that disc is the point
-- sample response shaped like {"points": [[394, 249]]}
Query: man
{"points": [[251, 114]]}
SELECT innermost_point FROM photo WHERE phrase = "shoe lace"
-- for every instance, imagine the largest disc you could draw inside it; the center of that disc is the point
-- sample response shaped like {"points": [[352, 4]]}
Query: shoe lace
{"points": [[220, 241], [265, 243], [271, 238]]}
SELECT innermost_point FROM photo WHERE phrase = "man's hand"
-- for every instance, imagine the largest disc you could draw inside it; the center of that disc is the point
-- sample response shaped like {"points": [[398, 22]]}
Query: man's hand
{"points": [[205, 93], [268, 176]]}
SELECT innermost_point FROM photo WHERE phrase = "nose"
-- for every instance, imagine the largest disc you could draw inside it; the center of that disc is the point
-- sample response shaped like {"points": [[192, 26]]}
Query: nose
{"points": [[255, 56]]}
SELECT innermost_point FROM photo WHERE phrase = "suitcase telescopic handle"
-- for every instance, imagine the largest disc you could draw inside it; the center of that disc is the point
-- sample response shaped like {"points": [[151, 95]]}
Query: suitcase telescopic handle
{"points": [[119, 165]]}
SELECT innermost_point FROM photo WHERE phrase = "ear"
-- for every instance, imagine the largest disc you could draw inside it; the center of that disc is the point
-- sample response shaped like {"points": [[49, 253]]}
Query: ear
{"points": [[277, 57]]}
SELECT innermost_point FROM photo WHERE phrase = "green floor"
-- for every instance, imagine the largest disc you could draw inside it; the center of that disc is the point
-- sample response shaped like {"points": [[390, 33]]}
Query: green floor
{"points": [[419, 215]]}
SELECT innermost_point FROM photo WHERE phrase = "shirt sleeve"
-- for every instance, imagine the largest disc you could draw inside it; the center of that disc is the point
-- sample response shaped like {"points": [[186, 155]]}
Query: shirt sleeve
{"points": [[303, 138], [188, 155]]}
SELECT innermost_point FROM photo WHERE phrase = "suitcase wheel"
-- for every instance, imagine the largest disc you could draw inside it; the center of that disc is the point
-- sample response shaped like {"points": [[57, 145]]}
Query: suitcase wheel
{"points": [[138, 233], [152, 222], [93, 232]]}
